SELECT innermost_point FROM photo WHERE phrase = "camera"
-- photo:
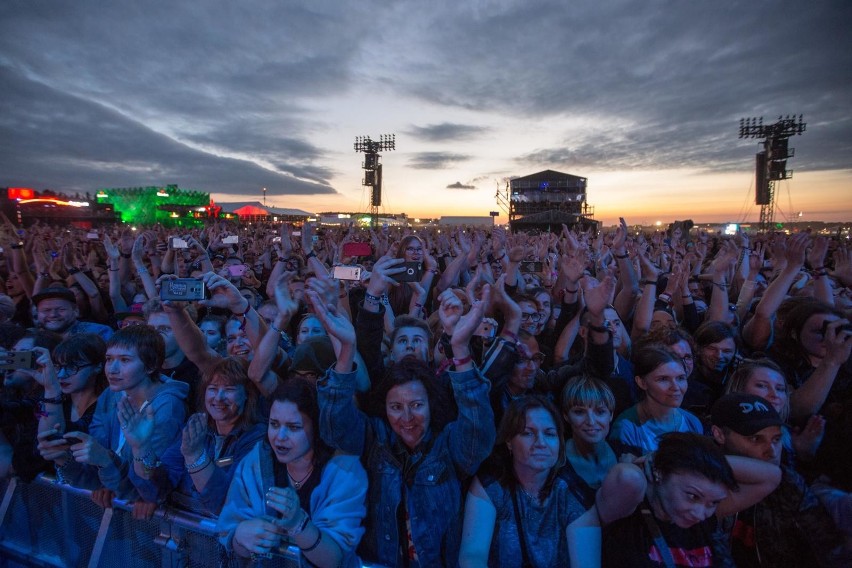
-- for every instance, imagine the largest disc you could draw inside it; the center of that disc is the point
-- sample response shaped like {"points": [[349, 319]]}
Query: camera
{"points": [[413, 272], [182, 290]]}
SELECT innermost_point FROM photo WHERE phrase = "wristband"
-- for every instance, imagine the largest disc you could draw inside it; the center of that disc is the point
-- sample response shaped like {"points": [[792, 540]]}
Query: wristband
{"points": [[276, 329], [315, 544], [73, 271], [621, 256], [17, 246], [149, 462], [200, 461], [462, 361], [246, 311], [112, 270], [648, 282], [46, 274], [301, 526], [125, 255], [574, 291], [310, 255], [373, 299], [198, 469], [665, 298], [54, 400]]}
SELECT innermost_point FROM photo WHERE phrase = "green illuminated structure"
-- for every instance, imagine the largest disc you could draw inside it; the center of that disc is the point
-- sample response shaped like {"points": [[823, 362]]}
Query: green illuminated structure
{"points": [[170, 206]]}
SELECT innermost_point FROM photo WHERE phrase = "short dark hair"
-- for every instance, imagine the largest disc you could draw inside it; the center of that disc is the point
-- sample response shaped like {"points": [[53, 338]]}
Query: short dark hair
{"points": [[410, 369], [711, 332], [687, 452], [406, 320], [148, 343], [650, 357], [83, 348]]}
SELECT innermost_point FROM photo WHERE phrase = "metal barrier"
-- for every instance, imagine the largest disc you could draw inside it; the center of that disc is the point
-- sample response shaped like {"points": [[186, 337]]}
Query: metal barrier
{"points": [[46, 524]]}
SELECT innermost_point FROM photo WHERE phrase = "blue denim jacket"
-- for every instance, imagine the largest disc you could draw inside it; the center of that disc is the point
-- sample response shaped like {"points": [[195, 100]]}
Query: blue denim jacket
{"points": [[435, 497]]}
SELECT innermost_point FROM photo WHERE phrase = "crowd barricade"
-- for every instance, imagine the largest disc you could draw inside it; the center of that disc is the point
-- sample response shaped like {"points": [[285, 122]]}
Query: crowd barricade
{"points": [[43, 523]]}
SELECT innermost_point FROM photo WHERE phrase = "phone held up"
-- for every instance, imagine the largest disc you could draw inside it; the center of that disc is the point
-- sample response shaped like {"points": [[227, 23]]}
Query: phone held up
{"points": [[182, 290]]}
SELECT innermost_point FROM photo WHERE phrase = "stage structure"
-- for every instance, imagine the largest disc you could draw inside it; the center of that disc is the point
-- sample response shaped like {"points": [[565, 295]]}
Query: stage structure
{"points": [[25, 205], [545, 201], [771, 163], [373, 169], [169, 205]]}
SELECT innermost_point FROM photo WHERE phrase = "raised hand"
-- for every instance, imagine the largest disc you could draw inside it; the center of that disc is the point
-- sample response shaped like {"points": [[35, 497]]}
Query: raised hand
{"points": [[287, 306], [138, 426], [194, 437], [467, 324], [598, 295]]}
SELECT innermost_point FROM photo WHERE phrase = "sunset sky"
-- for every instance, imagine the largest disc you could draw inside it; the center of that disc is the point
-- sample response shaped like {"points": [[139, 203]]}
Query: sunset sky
{"points": [[641, 98]]}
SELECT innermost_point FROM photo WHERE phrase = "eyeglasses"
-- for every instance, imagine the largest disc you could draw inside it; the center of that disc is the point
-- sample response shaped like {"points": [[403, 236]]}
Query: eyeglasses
{"points": [[536, 358], [534, 317], [71, 369]]}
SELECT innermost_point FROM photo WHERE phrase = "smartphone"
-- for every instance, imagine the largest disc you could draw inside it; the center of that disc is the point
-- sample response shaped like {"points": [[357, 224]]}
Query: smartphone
{"points": [[413, 272], [529, 266], [486, 329], [12, 360], [315, 238], [232, 240], [93, 235], [182, 290], [346, 273], [178, 243], [297, 233], [237, 270], [357, 249], [841, 329]]}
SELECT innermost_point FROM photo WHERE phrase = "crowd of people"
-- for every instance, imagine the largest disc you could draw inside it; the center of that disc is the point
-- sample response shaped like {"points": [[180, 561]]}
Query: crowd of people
{"points": [[443, 396]]}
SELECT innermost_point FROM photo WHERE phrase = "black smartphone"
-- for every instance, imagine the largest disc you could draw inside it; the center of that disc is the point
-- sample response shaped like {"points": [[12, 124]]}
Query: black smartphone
{"points": [[528, 266], [182, 289], [413, 272]]}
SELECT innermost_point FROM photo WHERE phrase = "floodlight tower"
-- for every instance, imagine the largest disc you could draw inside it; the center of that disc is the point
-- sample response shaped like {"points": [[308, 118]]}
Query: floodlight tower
{"points": [[771, 163], [373, 169]]}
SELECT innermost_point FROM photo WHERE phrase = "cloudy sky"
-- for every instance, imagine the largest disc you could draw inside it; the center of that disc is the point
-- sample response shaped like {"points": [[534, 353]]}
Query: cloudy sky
{"points": [[641, 97]]}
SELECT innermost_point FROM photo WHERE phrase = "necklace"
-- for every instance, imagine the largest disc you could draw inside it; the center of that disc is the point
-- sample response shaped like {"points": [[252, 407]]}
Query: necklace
{"points": [[298, 484], [528, 494]]}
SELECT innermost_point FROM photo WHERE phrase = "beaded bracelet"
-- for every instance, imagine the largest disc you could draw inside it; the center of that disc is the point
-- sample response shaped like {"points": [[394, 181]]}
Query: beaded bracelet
{"points": [[200, 461]]}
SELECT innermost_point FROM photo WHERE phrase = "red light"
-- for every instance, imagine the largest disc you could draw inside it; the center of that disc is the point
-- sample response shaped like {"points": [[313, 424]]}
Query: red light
{"points": [[21, 193]]}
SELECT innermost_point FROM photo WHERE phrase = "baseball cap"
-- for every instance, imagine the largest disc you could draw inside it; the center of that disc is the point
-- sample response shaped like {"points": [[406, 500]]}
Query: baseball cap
{"points": [[745, 414], [315, 354], [60, 292]]}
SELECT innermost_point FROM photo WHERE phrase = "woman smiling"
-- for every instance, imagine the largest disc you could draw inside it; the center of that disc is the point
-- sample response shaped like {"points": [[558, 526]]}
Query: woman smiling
{"points": [[197, 469]]}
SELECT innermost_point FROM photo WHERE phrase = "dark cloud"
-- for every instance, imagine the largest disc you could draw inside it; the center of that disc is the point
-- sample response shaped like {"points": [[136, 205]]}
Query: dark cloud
{"points": [[233, 99], [436, 160], [446, 132], [51, 139], [665, 77], [460, 185]]}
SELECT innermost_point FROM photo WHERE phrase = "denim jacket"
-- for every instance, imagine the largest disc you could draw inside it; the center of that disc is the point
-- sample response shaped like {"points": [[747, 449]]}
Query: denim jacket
{"points": [[434, 496]]}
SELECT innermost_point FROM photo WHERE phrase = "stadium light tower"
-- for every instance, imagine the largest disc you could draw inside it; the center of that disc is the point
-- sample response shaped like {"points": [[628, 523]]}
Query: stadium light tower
{"points": [[373, 169], [771, 163]]}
